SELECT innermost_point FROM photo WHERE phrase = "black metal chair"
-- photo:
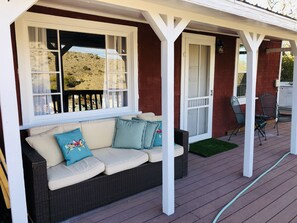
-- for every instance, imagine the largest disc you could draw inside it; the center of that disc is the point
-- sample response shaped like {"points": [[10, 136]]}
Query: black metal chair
{"points": [[240, 119], [271, 110], [239, 115]]}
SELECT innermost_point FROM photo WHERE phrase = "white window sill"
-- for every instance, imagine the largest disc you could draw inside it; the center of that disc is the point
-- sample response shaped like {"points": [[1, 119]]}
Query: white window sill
{"points": [[81, 119]]}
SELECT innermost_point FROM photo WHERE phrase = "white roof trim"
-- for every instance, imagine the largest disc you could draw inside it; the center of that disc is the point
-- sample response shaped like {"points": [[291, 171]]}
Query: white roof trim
{"points": [[248, 11]]}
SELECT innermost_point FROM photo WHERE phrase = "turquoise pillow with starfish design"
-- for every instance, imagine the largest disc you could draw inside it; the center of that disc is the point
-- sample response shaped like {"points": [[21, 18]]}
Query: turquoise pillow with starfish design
{"points": [[73, 146]]}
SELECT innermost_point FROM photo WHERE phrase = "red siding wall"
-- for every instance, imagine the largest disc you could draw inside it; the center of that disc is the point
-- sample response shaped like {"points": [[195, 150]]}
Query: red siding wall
{"points": [[149, 67], [223, 86], [149, 57], [268, 70]]}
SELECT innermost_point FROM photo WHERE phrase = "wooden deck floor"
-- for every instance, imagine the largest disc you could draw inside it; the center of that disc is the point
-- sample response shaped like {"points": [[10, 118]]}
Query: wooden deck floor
{"points": [[213, 182]]}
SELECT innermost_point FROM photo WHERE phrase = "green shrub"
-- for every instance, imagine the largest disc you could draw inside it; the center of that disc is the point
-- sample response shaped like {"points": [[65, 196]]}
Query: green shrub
{"points": [[71, 82], [287, 67]]}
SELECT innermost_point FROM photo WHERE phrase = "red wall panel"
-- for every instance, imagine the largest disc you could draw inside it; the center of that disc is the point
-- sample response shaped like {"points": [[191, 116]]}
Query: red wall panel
{"points": [[223, 87]]}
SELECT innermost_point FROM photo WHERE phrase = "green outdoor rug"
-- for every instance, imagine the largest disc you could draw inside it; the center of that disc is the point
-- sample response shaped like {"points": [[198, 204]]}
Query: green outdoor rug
{"points": [[210, 147]]}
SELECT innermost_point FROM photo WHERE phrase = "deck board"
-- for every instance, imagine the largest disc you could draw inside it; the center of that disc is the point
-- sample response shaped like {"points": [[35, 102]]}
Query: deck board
{"points": [[212, 182]]}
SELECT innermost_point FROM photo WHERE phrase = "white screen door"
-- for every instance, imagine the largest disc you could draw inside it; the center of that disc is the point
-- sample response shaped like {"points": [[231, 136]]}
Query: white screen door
{"points": [[197, 91]]}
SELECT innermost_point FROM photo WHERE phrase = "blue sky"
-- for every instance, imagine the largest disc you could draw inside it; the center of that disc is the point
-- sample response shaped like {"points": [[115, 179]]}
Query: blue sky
{"points": [[100, 52]]}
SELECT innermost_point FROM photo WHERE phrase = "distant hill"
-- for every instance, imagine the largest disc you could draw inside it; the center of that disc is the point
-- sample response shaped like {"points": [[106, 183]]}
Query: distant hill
{"points": [[82, 71]]}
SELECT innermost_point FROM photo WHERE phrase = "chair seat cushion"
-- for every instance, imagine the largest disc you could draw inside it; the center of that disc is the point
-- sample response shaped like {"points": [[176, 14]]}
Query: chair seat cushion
{"points": [[62, 176], [155, 154], [117, 160]]}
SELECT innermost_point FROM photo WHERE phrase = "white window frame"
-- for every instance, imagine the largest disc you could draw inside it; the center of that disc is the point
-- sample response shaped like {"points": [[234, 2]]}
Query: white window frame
{"points": [[242, 100], [76, 25]]}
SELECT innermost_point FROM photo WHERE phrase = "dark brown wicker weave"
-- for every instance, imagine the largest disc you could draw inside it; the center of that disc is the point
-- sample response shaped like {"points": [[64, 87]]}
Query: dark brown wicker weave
{"points": [[45, 205]]}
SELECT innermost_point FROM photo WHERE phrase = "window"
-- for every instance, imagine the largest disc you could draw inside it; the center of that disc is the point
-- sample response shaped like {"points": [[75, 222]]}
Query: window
{"points": [[76, 72], [240, 72]]}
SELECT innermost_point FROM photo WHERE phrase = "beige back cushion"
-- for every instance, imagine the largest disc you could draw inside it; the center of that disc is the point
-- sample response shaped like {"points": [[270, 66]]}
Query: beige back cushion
{"points": [[99, 133], [66, 127], [46, 145], [128, 117], [146, 115], [152, 118]]}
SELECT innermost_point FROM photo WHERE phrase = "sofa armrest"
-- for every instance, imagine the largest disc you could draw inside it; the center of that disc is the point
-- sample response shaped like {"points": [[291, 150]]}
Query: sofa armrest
{"points": [[36, 183], [181, 137]]}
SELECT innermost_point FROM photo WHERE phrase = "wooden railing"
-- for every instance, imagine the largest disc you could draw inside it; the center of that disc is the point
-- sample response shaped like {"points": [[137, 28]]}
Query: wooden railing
{"points": [[82, 100]]}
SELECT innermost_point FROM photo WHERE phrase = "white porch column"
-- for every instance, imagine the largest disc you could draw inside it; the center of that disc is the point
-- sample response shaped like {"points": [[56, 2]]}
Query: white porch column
{"points": [[294, 101], [11, 131], [251, 41], [9, 11], [167, 29]]}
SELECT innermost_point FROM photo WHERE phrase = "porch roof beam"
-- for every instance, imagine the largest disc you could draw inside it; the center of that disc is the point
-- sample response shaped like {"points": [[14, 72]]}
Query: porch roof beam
{"points": [[285, 34], [167, 28], [293, 147], [9, 11], [278, 50], [251, 41]]}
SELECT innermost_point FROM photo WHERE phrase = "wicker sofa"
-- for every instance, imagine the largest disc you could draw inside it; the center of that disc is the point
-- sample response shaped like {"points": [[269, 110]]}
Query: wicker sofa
{"points": [[53, 205]]}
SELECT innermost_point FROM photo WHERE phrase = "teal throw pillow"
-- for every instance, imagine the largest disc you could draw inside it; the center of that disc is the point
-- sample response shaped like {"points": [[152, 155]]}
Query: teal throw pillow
{"points": [[73, 146], [158, 137], [149, 133], [129, 134]]}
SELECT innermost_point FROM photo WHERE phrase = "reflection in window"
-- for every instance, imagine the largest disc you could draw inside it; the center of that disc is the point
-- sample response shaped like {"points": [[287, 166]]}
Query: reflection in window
{"points": [[74, 71], [241, 72]]}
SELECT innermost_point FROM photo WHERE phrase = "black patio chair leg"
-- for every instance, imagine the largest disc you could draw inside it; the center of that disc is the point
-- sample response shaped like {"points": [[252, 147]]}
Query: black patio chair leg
{"points": [[264, 131], [237, 130], [259, 136], [276, 126]]}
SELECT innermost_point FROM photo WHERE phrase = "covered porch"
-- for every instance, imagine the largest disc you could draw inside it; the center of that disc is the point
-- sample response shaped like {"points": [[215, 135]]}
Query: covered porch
{"points": [[212, 182], [168, 23]]}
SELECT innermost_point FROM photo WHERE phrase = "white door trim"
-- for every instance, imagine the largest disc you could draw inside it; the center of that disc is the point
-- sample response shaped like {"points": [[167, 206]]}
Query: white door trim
{"points": [[203, 40]]}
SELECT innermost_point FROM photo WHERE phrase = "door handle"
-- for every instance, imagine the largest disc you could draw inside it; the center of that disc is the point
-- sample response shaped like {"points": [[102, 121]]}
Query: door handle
{"points": [[211, 92]]}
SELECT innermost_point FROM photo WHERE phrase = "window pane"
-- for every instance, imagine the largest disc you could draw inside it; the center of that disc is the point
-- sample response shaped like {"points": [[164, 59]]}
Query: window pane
{"points": [[44, 61], [117, 63], [45, 105], [241, 85], [124, 45], [117, 81], [83, 59], [41, 38], [242, 70], [45, 83], [84, 70], [116, 45], [116, 99]]}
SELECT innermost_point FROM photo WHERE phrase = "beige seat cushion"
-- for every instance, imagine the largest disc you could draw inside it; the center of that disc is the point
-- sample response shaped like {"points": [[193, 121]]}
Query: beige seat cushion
{"points": [[155, 154], [46, 145], [99, 133], [62, 176], [117, 160]]}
